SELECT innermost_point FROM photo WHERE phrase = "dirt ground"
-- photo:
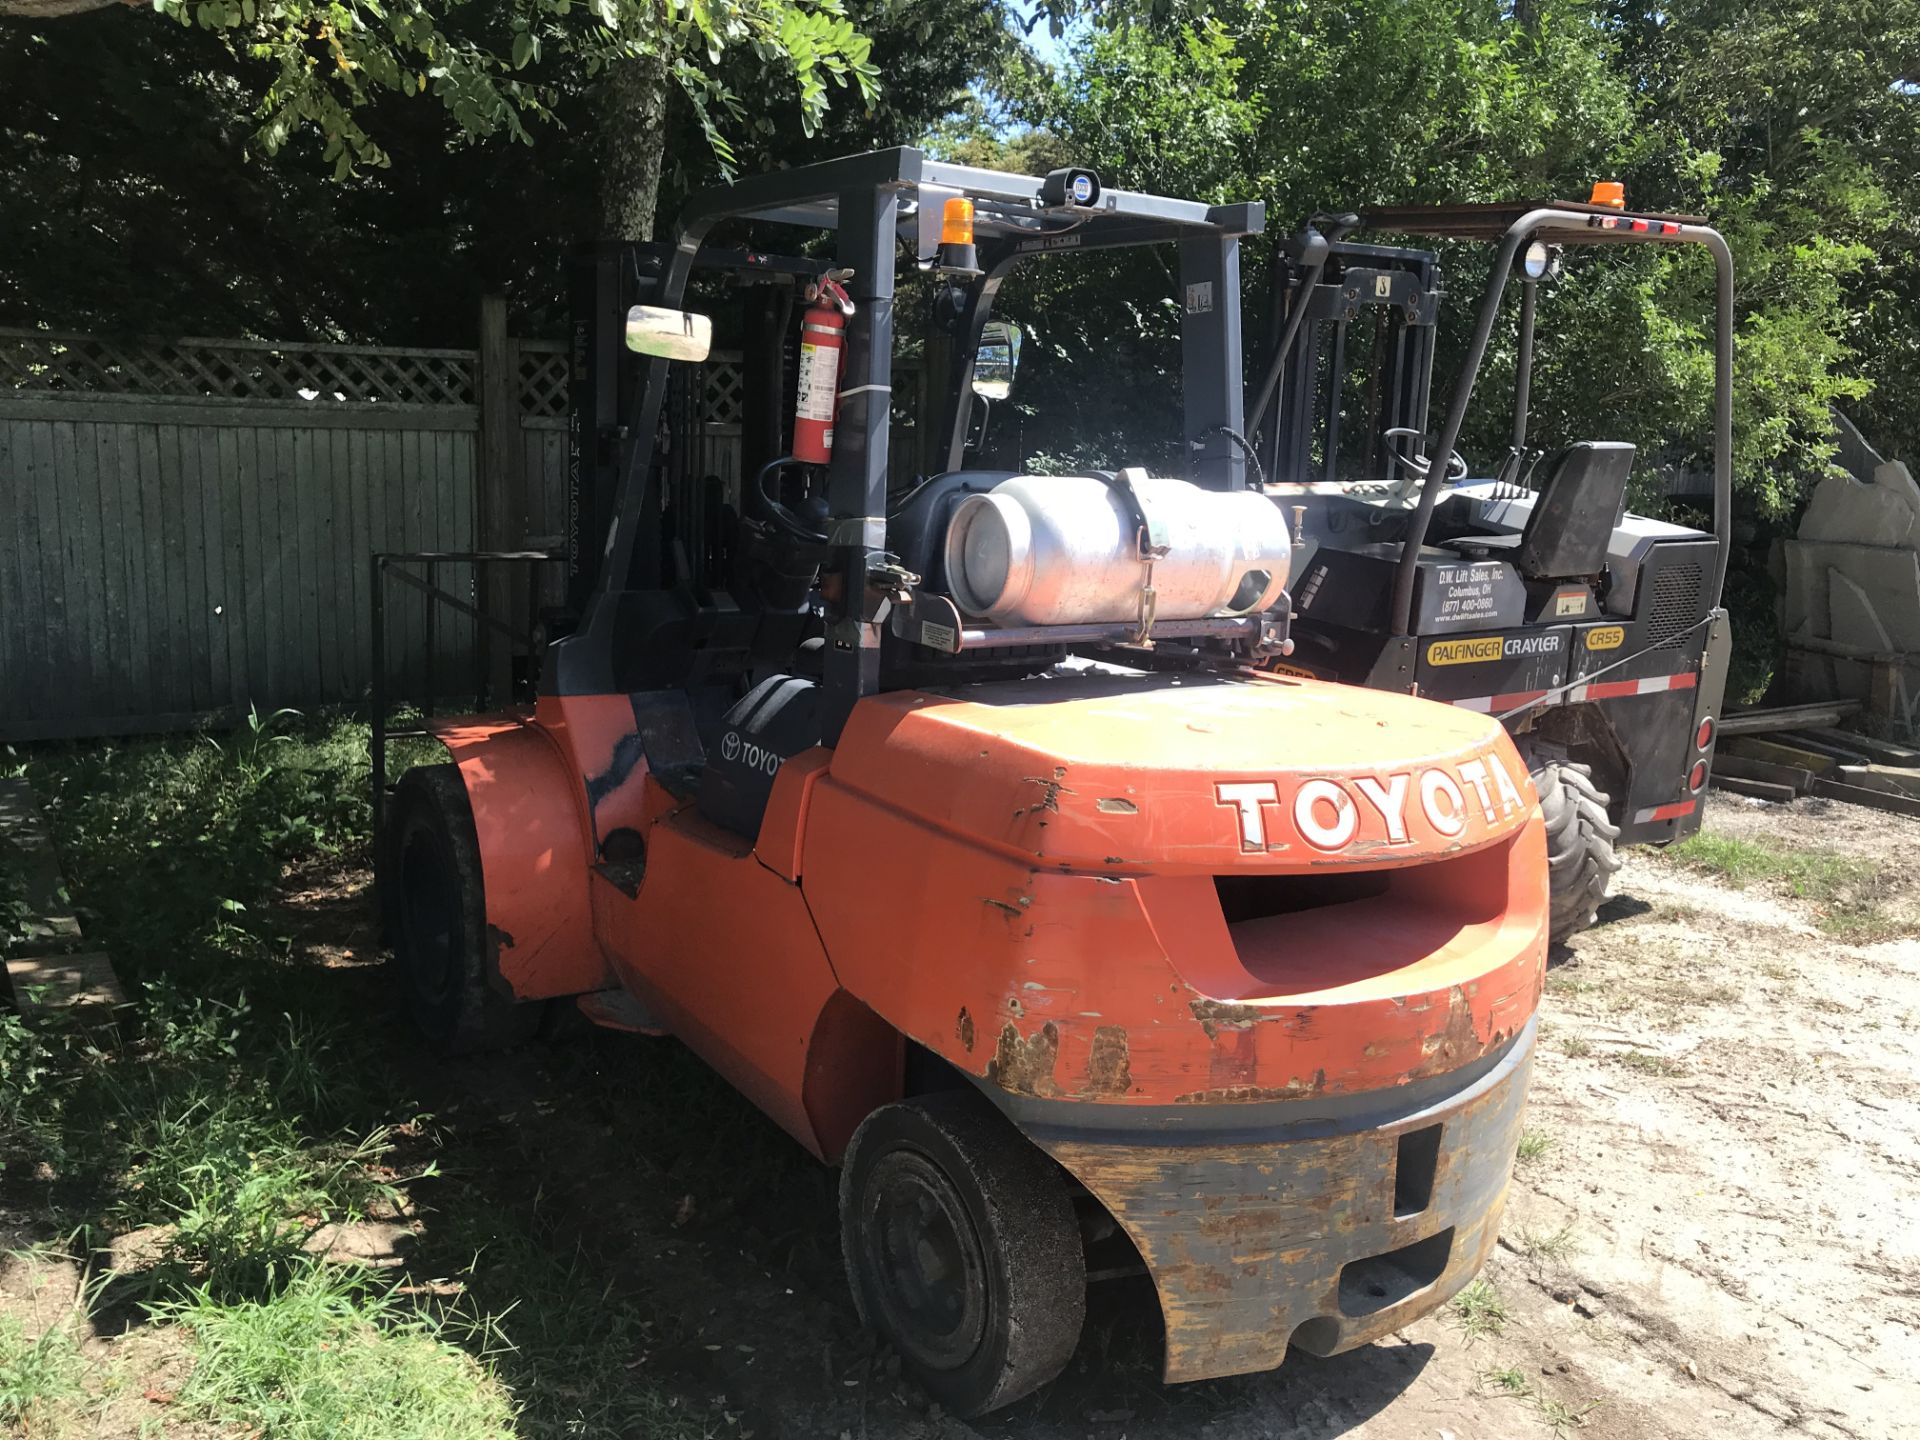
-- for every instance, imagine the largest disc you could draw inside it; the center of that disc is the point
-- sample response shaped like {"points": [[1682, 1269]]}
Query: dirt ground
{"points": [[1715, 1230], [1718, 1233]]}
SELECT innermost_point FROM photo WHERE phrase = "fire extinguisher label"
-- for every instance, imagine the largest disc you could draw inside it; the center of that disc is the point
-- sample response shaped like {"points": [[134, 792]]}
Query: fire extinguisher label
{"points": [[819, 374]]}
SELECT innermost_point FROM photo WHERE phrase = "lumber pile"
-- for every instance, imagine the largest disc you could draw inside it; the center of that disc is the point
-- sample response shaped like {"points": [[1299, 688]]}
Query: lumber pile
{"points": [[1792, 750], [49, 968]]}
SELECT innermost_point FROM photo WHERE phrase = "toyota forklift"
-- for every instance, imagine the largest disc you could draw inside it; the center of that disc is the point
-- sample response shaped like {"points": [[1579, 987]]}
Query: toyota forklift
{"points": [[951, 815], [1527, 592]]}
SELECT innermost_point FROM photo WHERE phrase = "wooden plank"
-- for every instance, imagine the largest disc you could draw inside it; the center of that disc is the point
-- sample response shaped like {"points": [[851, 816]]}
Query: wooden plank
{"points": [[357, 547], [78, 574], [339, 581], [50, 923], [300, 626], [207, 693], [1756, 749], [46, 984], [1880, 777], [1757, 789], [502, 489], [116, 658], [1801, 740], [212, 623], [15, 624], [316, 516], [1786, 717], [1739, 767], [1872, 799], [176, 681], [240, 414], [233, 567], [1883, 752], [136, 683], [57, 676]]}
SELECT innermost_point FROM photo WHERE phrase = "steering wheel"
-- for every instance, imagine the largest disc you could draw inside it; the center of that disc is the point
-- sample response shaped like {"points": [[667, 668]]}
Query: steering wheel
{"points": [[1415, 465]]}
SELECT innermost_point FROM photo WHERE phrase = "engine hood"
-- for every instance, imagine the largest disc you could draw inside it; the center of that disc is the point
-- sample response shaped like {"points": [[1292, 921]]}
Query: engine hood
{"points": [[1182, 772]]}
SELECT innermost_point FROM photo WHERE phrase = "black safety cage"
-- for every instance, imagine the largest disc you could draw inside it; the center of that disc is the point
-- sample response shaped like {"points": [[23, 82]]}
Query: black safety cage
{"points": [[875, 205], [1410, 284]]}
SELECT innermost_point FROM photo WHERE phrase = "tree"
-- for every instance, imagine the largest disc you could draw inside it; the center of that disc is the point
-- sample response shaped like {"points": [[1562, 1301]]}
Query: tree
{"points": [[1308, 107], [328, 60], [144, 206]]}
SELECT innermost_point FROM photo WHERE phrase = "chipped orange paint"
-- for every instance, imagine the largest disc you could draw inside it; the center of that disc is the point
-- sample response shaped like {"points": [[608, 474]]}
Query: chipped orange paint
{"points": [[1024, 879]]}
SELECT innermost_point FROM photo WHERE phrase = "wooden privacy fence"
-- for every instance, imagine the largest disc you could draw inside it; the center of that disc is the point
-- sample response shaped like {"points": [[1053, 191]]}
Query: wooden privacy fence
{"points": [[186, 525]]}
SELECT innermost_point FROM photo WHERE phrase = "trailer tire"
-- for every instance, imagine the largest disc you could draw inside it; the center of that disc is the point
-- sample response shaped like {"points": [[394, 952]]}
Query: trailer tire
{"points": [[1580, 853], [962, 1249], [435, 898]]}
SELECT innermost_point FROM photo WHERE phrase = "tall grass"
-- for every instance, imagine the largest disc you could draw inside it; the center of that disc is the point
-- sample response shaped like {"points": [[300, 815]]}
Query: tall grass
{"points": [[249, 1102]]}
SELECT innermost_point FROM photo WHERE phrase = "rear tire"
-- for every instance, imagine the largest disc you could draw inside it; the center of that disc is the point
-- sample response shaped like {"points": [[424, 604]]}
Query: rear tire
{"points": [[436, 907], [1580, 853], [962, 1249]]}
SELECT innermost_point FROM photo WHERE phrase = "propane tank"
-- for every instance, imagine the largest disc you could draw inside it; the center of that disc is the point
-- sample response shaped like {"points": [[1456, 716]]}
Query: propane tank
{"points": [[823, 347], [1067, 550]]}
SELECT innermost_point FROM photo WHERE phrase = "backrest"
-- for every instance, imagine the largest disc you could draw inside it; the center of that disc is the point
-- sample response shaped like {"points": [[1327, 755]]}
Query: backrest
{"points": [[1573, 517]]}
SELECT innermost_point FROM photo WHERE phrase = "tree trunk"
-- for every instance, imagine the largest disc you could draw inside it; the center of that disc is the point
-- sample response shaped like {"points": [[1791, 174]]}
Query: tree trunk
{"points": [[633, 139]]}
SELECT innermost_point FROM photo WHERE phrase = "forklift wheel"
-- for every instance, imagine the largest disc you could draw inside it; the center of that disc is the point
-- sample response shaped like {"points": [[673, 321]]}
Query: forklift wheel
{"points": [[437, 918], [1580, 858], [962, 1249]]}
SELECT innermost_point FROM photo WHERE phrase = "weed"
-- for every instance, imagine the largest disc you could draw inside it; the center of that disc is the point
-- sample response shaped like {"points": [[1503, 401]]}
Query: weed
{"points": [[1534, 1145], [36, 1374], [1846, 892], [333, 1357], [1480, 1308], [1575, 1046], [1647, 1062], [1511, 1381], [1560, 1417], [1552, 1247], [249, 1105]]}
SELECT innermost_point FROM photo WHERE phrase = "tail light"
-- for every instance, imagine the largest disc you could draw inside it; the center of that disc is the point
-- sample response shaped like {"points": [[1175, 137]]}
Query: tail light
{"points": [[1703, 737], [1697, 776]]}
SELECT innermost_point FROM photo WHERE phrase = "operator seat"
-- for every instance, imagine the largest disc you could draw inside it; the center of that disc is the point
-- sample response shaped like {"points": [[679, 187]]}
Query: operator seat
{"points": [[1573, 516]]}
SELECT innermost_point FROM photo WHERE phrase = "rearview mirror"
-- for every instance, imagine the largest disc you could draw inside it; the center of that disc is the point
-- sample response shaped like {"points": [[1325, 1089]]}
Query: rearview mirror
{"points": [[996, 360], [670, 334]]}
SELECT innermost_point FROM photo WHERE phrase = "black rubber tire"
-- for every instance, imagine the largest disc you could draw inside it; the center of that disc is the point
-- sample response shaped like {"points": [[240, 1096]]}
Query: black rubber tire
{"points": [[436, 908], [1580, 853], [999, 1214]]}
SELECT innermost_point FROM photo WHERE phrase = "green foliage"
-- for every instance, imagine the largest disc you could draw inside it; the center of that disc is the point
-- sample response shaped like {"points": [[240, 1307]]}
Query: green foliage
{"points": [[1849, 894], [227, 1119], [253, 1101], [1805, 162], [332, 1355], [36, 1374], [330, 59]]}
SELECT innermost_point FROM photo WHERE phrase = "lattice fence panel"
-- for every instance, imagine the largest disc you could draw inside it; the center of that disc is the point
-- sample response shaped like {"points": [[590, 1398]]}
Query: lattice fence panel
{"points": [[720, 392], [39, 362], [543, 379]]}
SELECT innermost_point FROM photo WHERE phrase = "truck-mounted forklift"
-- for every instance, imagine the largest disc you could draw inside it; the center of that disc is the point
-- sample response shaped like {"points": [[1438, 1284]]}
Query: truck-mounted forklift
{"points": [[1529, 593]]}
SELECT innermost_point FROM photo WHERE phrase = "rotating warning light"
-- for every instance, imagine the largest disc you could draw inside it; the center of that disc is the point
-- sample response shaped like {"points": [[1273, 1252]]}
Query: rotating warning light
{"points": [[1610, 193], [956, 221], [957, 255]]}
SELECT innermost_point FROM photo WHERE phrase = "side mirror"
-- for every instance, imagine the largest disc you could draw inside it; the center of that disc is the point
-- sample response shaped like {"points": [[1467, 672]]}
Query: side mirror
{"points": [[996, 360], [670, 334]]}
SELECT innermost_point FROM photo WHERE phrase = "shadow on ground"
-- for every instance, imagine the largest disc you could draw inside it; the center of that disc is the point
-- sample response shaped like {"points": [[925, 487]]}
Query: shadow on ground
{"points": [[701, 1244]]}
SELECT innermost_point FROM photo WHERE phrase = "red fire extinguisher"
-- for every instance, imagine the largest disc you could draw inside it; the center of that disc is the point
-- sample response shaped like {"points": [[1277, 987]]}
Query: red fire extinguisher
{"points": [[823, 349]]}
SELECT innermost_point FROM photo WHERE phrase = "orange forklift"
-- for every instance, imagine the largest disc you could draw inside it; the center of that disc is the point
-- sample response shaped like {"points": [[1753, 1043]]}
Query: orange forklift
{"points": [[955, 819]]}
